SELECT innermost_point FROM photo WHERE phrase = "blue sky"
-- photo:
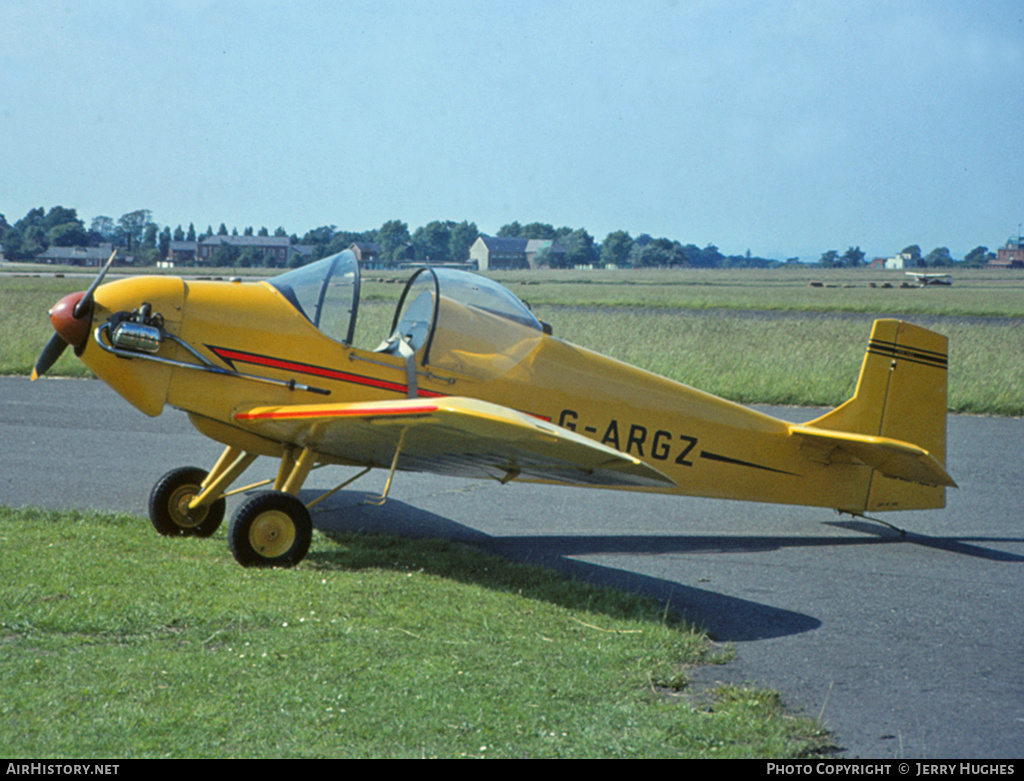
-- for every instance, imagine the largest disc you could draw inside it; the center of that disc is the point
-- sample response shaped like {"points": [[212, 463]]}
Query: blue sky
{"points": [[785, 128]]}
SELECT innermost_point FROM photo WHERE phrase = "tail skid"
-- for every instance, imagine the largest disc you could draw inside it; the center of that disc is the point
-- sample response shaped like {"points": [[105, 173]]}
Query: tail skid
{"points": [[896, 420]]}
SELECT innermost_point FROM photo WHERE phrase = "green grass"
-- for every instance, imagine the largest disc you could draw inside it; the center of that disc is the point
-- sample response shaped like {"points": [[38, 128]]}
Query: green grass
{"points": [[119, 644], [794, 358], [978, 292]]}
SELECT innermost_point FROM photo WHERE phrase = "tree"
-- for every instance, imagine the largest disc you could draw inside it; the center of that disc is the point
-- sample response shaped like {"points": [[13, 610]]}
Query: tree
{"points": [[710, 257], [939, 257], [68, 234], [60, 215], [579, 248], [539, 230], [319, 236], [191, 235], [615, 249], [511, 231], [131, 226], [104, 228], [149, 235], [462, 237], [650, 255], [393, 237], [432, 241], [829, 259], [250, 257], [853, 257], [544, 256], [914, 252], [691, 255], [225, 255], [978, 257]]}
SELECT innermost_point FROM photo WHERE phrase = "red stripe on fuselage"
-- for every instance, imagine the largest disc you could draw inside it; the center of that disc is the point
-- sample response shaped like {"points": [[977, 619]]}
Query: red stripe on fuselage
{"points": [[231, 356]]}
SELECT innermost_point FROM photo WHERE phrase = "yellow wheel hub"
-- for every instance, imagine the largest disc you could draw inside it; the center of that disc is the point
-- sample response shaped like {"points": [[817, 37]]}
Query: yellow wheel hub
{"points": [[178, 506], [272, 534]]}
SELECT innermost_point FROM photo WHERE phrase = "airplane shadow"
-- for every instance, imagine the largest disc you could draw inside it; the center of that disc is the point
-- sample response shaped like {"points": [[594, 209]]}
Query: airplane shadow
{"points": [[959, 545], [725, 618]]}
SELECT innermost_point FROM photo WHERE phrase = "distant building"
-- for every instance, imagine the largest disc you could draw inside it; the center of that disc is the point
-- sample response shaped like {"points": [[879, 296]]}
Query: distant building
{"points": [[81, 256], [1010, 255], [492, 252], [367, 252], [182, 252], [277, 250], [901, 261]]}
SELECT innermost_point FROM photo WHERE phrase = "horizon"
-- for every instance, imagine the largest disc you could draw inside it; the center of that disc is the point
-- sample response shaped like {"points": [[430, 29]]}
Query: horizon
{"points": [[298, 236]]}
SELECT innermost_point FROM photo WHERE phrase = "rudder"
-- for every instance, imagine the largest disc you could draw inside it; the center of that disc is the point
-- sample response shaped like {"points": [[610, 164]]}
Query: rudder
{"points": [[901, 394]]}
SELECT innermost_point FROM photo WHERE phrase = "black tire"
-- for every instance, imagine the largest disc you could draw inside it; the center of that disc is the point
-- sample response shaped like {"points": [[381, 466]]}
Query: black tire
{"points": [[168, 503], [270, 529]]}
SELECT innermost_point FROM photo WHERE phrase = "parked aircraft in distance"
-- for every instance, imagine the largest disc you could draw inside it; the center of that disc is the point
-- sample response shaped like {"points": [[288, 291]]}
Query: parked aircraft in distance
{"points": [[931, 279]]}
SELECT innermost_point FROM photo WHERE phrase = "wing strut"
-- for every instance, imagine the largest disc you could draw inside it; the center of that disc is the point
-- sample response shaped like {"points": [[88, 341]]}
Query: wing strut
{"points": [[394, 464]]}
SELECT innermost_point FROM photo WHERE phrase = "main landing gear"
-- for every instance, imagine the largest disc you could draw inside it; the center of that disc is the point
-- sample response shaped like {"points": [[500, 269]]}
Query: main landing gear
{"points": [[269, 529]]}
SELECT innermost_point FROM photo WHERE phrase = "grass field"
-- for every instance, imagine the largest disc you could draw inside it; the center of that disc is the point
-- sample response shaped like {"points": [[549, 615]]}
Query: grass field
{"points": [[757, 336], [117, 644]]}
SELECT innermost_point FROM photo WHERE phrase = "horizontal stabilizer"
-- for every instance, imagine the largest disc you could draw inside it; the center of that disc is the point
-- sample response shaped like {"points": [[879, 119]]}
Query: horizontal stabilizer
{"points": [[891, 457]]}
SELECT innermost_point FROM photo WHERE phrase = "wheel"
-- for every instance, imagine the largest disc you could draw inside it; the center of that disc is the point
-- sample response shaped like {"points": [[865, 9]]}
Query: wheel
{"points": [[168, 505], [271, 529]]}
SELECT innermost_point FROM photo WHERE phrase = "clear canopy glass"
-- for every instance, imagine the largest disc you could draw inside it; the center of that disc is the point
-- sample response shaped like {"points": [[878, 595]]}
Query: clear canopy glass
{"points": [[450, 319], [326, 292]]}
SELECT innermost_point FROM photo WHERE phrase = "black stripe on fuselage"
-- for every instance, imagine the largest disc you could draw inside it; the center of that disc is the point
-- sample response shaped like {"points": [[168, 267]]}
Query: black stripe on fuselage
{"points": [[737, 462]]}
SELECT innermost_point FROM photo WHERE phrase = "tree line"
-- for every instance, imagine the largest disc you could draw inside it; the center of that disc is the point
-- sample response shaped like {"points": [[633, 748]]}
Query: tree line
{"points": [[439, 241]]}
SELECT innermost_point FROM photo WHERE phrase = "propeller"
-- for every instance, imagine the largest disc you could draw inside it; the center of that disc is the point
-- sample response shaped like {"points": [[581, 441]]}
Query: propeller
{"points": [[84, 306], [72, 320], [54, 349]]}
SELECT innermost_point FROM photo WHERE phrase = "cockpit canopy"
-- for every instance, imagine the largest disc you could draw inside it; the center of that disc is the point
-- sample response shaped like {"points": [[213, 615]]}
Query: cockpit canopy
{"points": [[450, 319]]}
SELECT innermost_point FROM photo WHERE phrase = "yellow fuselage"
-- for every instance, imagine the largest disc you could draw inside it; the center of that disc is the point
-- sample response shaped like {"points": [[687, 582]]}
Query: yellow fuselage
{"points": [[708, 446]]}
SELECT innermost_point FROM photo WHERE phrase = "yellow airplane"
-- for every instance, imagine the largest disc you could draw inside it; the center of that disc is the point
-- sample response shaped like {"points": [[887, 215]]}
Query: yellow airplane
{"points": [[470, 383]]}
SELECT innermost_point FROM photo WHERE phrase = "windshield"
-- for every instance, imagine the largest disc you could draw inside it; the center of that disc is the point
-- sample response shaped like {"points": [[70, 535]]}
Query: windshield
{"points": [[326, 292]]}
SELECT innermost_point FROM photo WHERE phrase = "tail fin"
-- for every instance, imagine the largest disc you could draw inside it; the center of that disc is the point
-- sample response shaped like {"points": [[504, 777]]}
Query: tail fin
{"points": [[901, 396]]}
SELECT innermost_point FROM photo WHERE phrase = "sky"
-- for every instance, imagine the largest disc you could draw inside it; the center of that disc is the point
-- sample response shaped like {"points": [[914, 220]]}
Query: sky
{"points": [[784, 128]]}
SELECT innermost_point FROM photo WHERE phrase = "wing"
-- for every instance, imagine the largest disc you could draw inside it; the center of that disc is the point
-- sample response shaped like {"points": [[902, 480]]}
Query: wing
{"points": [[891, 457], [454, 436]]}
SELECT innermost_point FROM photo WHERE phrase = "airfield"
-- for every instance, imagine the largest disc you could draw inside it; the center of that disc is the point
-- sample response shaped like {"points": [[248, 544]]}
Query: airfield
{"points": [[905, 647]]}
